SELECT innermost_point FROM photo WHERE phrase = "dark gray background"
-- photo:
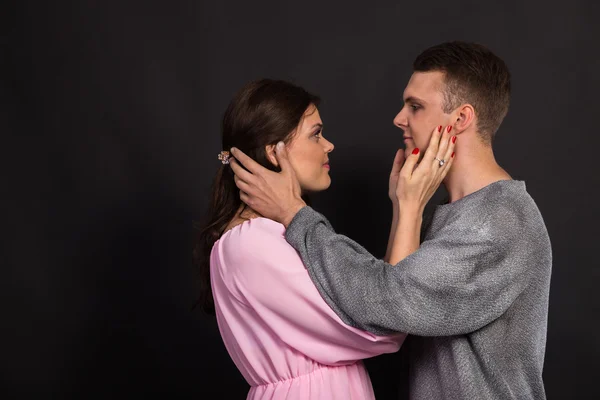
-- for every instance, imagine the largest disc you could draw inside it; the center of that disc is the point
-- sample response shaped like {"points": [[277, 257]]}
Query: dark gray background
{"points": [[112, 113]]}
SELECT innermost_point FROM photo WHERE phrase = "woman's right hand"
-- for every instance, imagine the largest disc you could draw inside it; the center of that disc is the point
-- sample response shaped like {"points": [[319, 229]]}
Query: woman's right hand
{"points": [[418, 181], [395, 174]]}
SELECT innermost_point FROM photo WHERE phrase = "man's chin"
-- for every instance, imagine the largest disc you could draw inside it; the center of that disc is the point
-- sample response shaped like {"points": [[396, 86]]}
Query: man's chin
{"points": [[410, 146]]}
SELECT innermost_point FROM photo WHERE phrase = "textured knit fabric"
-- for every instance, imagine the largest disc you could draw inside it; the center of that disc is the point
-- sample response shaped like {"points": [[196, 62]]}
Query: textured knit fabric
{"points": [[283, 337], [475, 292]]}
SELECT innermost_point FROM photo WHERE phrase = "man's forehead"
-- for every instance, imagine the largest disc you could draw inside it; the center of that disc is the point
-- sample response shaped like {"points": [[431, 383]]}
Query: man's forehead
{"points": [[424, 85]]}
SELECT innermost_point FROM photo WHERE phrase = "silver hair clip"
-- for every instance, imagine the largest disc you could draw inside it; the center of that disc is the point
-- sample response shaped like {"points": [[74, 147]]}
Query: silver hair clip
{"points": [[224, 157]]}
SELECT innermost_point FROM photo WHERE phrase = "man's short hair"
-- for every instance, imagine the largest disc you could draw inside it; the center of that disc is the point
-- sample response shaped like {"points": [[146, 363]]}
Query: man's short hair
{"points": [[474, 75]]}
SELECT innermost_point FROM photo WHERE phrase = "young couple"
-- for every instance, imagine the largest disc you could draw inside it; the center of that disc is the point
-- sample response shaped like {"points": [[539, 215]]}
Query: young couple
{"points": [[298, 306]]}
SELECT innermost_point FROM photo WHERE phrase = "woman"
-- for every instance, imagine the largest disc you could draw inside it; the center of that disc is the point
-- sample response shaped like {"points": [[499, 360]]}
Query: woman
{"points": [[280, 333]]}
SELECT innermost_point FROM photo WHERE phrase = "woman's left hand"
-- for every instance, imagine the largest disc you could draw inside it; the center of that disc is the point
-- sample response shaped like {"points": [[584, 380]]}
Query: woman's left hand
{"points": [[418, 181]]}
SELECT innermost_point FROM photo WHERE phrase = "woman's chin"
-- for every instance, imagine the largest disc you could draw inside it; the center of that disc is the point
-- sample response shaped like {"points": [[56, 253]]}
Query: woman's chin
{"points": [[314, 188], [325, 185]]}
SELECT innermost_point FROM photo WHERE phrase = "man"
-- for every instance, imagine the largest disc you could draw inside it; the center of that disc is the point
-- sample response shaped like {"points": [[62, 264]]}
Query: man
{"points": [[476, 290]]}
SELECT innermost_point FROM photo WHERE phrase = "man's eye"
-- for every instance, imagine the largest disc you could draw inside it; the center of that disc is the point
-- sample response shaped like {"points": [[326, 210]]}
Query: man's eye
{"points": [[415, 107]]}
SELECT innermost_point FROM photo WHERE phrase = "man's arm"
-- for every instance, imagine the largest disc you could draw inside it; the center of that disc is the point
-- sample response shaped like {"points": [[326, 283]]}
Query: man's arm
{"points": [[449, 286], [262, 271]]}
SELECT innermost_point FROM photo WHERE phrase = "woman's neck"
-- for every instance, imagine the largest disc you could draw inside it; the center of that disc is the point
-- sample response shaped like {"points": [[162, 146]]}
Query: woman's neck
{"points": [[243, 214], [247, 213]]}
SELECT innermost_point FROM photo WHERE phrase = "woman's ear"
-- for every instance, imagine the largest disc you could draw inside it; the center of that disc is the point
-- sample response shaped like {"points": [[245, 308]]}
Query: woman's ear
{"points": [[465, 116], [270, 150]]}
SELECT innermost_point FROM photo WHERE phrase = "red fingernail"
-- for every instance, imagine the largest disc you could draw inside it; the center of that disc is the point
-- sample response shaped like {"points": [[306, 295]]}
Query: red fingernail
{"points": [[452, 155], [439, 128], [449, 128], [453, 139], [416, 150]]}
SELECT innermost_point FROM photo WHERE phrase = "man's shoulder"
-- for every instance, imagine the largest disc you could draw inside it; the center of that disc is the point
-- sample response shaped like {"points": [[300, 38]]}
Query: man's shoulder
{"points": [[513, 215], [514, 201], [503, 209]]}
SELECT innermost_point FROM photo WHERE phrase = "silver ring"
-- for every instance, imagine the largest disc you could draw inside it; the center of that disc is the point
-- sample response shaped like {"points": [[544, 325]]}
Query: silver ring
{"points": [[442, 162]]}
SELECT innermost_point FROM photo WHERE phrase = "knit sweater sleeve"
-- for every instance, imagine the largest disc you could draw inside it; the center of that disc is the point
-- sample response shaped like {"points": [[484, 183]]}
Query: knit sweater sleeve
{"points": [[455, 283]]}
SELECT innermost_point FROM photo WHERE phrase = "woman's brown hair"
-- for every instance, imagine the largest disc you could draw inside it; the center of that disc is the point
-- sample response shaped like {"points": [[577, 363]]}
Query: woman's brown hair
{"points": [[262, 113]]}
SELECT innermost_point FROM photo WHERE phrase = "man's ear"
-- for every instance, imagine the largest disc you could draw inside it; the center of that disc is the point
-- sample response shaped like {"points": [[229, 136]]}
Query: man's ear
{"points": [[270, 150], [465, 117]]}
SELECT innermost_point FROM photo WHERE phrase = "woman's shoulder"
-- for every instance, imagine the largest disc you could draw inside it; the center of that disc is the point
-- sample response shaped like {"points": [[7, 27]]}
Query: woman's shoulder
{"points": [[253, 239], [248, 228]]}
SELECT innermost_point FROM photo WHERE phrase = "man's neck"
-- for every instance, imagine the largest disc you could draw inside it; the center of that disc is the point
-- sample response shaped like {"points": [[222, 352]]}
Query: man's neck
{"points": [[474, 168]]}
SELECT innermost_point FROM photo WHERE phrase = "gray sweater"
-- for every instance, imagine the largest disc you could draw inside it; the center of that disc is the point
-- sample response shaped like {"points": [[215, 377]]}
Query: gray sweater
{"points": [[475, 293]]}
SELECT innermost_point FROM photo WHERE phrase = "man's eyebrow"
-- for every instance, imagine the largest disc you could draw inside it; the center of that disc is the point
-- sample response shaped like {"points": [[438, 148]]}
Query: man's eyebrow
{"points": [[412, 99]]}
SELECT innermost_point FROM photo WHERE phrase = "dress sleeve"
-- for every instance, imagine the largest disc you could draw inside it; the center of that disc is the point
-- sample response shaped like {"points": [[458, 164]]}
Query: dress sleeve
{"points": [[453, 284], [274, 282]]}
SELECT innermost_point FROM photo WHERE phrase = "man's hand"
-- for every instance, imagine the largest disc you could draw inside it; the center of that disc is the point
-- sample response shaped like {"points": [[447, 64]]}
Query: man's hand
{"points": [[273, 195]]}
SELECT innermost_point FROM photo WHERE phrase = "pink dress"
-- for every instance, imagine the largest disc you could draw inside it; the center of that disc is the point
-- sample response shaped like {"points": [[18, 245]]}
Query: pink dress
{"points": [[280, 333]]}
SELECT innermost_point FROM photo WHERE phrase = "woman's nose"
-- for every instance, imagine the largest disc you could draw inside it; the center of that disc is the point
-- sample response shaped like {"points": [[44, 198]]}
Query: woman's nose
{"points": [[328, 146]]}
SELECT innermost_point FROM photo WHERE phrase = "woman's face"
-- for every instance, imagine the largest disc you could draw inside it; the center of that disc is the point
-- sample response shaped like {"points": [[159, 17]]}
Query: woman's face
{"points": [[308, 152]]}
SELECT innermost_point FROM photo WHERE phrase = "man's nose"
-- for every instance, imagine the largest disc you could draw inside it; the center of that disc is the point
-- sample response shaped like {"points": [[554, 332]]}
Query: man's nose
{"points": [[400, 120]]}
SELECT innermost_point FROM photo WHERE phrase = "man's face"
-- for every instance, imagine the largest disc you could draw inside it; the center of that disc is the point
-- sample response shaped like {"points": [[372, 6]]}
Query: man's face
{"points": [[422, 111]]}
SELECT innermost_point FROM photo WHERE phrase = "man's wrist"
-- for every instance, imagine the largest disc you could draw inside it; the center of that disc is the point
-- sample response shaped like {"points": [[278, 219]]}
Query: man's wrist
{"points": [[291, 212]]}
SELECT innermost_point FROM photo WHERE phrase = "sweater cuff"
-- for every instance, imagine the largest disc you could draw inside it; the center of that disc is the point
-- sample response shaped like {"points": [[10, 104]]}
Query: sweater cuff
{"points": [[298, 227]]}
